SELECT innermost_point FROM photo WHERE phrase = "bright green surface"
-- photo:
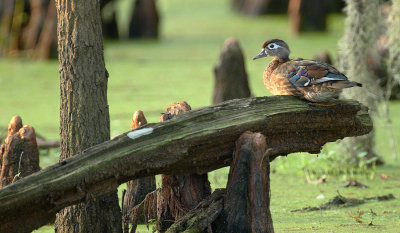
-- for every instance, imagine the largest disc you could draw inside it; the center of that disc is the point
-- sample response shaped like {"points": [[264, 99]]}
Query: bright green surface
{"points": [[149, 75]]}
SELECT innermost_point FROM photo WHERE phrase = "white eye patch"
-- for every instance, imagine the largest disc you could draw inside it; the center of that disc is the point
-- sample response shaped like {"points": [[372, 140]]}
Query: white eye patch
{"points": [[273, 46]]}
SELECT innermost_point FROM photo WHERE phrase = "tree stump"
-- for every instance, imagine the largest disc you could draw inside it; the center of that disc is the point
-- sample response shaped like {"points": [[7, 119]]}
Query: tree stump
{"points": [[144, 20], [19, 155], [139, 188], [179, 194], [230, 74]]}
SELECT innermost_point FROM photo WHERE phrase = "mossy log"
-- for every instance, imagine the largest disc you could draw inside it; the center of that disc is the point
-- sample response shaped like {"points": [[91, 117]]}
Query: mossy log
{"points": [[197, 141]]}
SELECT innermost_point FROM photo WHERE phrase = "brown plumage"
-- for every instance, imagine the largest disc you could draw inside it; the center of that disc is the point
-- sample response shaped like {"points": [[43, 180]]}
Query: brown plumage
{"points": [[307, 79]]}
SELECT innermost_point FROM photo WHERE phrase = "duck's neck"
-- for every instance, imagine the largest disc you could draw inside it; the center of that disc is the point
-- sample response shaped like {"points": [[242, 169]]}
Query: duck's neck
{"points": [[275, 63]]}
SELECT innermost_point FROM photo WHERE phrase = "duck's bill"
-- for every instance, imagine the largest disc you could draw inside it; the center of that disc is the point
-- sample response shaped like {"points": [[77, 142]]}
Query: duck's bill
{"points": [[260, 55]]}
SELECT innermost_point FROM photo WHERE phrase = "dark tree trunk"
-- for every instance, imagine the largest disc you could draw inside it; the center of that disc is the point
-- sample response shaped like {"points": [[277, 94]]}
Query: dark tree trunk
{"points": [[230, 74], [179, 194], [84, 117], [308, 15], [139, 188], [260, 7], [247, 194], [19, 155], [144, 20], [109, 22]]}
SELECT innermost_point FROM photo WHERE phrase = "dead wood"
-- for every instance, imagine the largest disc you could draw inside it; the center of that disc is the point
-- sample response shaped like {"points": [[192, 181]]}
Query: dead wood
{"points": [[197, 141], [230, 77], [201, 218]]}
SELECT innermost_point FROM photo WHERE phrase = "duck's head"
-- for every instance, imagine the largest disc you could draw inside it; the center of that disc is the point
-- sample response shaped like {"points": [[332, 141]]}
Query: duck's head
{"points": [[274, 48]]}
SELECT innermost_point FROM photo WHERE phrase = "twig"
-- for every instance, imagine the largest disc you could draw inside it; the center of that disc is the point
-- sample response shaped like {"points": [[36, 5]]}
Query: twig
{"points": [[19, 169]]}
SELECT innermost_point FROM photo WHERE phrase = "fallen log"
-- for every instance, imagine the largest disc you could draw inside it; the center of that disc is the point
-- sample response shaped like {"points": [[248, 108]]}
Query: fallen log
{"points": [[197, 141]]}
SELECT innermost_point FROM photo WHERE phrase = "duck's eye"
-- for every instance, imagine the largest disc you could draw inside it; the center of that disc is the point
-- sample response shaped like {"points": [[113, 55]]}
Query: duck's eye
{"points": [[272, 46]]}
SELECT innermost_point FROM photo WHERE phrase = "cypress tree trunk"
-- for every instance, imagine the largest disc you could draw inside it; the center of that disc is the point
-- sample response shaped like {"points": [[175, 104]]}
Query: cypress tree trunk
{"points": [[361, 34], [84, 117]]}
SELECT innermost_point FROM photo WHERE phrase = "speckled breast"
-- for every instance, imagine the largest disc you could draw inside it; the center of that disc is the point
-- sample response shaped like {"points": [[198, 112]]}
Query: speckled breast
{"points": [[280, 85]]}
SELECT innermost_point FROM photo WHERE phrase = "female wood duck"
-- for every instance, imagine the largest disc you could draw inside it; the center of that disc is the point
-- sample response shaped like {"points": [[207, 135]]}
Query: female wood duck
{"points": [[307, 79]]}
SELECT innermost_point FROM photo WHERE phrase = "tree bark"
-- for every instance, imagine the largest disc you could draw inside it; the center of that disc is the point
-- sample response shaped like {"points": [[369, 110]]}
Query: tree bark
{"points": [[247, 193], [179, 194], [19, 155], [197, 141], [139, 188], [230, 74], [84, 117]]}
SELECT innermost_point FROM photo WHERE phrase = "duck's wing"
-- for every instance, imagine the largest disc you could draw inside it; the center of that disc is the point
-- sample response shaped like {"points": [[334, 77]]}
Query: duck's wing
{"points": [[308, 72]]}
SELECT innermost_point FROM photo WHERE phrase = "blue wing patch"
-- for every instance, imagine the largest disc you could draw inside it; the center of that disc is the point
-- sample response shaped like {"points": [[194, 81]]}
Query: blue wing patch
{"points": [[336, 76], [300, 79]]}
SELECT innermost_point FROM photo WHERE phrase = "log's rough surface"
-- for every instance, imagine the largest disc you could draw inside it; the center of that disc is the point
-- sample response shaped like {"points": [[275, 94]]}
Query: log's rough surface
{"points": [[197, 141]]}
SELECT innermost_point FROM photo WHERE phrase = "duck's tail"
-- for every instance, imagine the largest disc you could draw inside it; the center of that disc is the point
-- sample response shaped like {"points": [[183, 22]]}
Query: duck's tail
{"points": [[345, 84]]}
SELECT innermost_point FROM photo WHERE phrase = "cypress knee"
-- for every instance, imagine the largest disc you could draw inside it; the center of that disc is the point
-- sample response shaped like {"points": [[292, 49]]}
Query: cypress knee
{"points": [[230, 74], [19, 155], [247, 194], [179, 193], [139, 188]]}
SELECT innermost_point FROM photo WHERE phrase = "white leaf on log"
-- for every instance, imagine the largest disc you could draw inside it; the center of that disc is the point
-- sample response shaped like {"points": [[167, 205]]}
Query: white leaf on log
{"points": [[138, 133]]}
